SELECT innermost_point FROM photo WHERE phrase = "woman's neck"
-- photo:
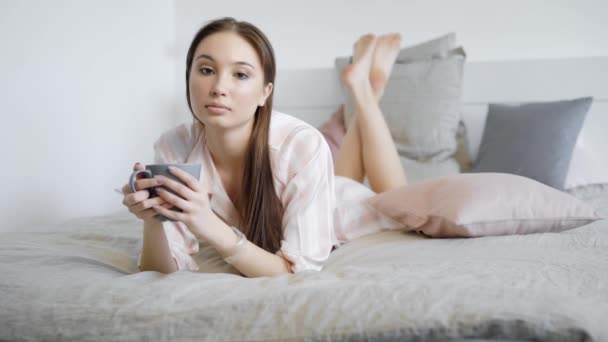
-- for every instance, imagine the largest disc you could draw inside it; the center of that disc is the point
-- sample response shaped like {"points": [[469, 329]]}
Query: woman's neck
{"points": [[228, 149]]}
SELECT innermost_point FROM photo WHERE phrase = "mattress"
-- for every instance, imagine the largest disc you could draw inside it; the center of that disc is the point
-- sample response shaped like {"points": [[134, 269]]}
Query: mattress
{"points": [[80, 283]]}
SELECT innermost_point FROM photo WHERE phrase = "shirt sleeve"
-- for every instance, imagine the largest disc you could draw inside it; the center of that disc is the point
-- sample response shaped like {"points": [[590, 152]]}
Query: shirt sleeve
{"points": [[174, 147], [309, 201]]}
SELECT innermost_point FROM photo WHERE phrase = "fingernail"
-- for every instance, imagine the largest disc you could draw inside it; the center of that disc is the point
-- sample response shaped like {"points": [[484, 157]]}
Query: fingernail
{"points": [[159, 180], [171, 168]]}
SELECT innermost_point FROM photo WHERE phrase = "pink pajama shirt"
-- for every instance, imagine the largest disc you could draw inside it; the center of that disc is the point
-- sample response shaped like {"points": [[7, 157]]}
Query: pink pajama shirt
{"points": [[321, 210]]}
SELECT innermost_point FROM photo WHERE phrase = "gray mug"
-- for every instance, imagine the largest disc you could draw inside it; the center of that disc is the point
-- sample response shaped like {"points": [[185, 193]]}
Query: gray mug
{"points": [[163, 170]]}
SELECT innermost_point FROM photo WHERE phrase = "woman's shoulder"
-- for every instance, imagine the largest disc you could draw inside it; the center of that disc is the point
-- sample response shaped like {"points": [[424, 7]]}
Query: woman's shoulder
{"points": [[286, 130], [294, 142]]}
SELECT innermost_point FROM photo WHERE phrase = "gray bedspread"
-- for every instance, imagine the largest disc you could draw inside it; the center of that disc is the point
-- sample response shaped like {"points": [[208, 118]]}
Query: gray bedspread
{"points": [[82, 284]]}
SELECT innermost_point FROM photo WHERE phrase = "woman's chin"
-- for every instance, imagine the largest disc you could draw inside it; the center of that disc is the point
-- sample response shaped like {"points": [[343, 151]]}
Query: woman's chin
{"points": [[210, 119], [224, 122], [219, 122]]}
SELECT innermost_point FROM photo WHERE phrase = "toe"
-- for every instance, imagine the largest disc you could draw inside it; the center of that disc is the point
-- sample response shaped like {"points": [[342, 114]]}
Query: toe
{"points": [[368, 36], [366, 39]]}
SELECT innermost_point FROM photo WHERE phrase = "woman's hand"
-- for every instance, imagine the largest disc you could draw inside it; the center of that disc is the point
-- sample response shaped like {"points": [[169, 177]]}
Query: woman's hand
{"points": [[139, 203], [193, 200]]}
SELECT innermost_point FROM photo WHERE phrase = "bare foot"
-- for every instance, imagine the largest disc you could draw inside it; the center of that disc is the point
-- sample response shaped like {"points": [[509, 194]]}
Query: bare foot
{"points": [[387, 49], [358, 72]]}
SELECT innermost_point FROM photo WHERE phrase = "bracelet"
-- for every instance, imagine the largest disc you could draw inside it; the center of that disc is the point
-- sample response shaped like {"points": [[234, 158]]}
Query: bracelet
{"points": [[238, 248]]}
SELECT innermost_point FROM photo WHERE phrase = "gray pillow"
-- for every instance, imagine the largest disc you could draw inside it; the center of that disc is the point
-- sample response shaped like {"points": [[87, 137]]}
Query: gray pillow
{"points": [[437, 47], [534, 140]]}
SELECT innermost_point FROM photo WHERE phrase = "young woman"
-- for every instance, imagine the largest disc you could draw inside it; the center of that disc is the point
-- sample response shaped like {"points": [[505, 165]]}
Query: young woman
{"points": [[268, 200]]}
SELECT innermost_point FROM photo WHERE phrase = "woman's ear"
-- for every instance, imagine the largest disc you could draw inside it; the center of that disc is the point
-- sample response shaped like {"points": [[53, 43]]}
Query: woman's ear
{"points": [[267, 91]]}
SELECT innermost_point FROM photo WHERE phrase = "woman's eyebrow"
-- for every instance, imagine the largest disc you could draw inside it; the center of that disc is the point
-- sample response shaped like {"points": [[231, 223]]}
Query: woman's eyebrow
{"points": [[213, 60]]}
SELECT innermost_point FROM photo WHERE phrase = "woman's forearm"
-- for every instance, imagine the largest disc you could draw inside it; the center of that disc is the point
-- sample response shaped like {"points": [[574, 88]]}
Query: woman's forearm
{"points": [[155, 254], [252, 261]]}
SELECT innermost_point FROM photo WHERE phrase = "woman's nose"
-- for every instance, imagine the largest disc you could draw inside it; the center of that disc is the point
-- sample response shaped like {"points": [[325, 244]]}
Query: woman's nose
{"points": [[219, 87]]}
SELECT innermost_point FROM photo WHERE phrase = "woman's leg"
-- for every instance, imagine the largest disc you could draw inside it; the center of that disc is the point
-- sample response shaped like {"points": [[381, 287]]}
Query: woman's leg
{"points": [[349, 161], [368, 147]]}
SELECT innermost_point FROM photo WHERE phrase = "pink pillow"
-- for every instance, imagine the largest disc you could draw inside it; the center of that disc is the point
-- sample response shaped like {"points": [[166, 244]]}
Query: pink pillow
{"points": [[483, 204], [334, 131]]}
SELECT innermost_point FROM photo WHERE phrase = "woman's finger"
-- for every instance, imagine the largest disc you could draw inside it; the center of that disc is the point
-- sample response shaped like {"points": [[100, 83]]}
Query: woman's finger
{"points": [[145, 183], [185, 177], [174, 200], [177, 187], [135, 197], [171, 214], [149, 203], [126, 189], [147, 214]]}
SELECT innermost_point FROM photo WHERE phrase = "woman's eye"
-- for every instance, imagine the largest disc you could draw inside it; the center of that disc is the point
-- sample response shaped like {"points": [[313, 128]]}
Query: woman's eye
{"points": [[241, 76], [205, 70]]}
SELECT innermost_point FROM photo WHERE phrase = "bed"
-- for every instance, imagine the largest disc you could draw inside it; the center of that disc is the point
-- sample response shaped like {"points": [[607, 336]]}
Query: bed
{"points": [[79, 281]]}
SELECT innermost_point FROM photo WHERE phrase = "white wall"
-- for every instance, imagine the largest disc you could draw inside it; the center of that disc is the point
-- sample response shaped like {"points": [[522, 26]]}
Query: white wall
{"points": [[86, 86], [312, 33]]}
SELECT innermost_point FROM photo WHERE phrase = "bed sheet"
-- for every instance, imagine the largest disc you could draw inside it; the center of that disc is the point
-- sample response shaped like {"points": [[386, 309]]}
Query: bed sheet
{"points": [[82, 284]]}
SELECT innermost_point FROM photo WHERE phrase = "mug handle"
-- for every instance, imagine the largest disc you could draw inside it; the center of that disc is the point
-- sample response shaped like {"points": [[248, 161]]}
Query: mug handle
{"points": [[133, 177]]}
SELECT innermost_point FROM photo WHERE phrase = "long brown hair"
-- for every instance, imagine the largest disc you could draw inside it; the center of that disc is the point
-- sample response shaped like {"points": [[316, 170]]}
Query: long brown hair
{"points": [[260, 209]]}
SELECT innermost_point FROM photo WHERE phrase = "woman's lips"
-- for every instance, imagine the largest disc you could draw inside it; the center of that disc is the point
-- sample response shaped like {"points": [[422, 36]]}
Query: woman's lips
{"points": [[216, 109]]}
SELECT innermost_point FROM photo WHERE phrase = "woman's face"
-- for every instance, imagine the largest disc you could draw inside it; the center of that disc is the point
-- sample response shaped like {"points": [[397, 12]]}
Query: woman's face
{"points": [[226, 81]]}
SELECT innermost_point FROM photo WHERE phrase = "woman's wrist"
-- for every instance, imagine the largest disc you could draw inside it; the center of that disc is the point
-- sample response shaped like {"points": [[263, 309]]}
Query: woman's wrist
{"points": [[204, 226], [225, 239], [238, 248], [152, 223]]}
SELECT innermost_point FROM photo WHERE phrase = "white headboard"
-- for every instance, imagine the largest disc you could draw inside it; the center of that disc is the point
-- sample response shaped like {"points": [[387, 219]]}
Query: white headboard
{"points": [[314, 94]]}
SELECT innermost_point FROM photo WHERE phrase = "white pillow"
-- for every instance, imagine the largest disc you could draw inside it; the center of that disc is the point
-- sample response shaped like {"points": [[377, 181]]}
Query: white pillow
{"points": [[586, 167], [417, 171]]}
